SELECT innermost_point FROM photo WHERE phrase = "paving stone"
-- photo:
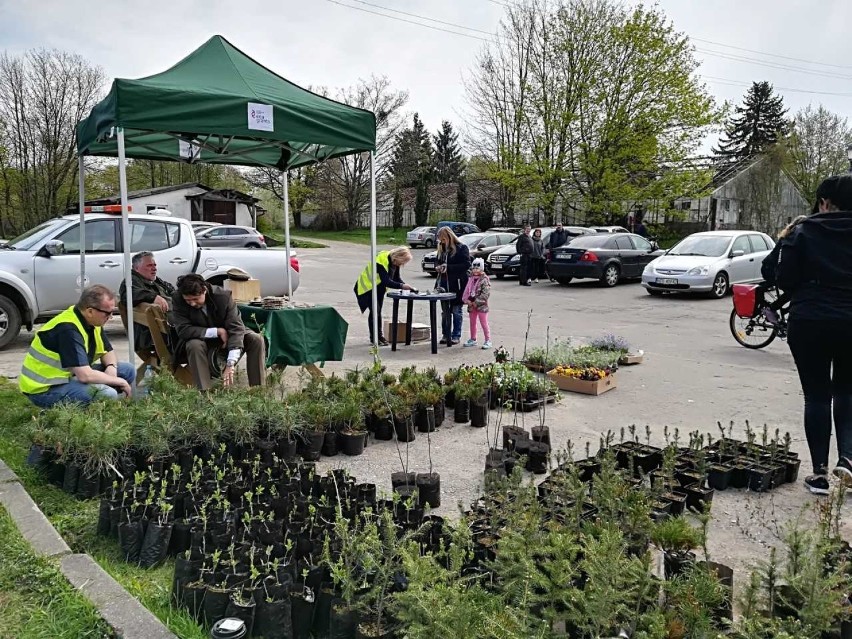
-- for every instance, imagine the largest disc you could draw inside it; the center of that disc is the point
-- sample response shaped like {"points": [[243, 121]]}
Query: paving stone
{"points": [[6, 474], [129, 618], [31, 522]]}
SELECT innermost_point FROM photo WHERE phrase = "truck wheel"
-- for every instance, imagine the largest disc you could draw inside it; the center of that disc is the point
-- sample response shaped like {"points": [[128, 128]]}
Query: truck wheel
{"points": [[10, 321]]}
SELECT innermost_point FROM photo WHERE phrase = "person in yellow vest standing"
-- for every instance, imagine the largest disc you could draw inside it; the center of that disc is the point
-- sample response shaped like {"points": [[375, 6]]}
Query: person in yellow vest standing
{"points": [[388, 265], [71, 359]]}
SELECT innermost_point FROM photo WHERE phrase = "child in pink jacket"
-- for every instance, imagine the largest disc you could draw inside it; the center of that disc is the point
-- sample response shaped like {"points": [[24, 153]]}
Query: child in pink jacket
{"points": [[476, 295]]}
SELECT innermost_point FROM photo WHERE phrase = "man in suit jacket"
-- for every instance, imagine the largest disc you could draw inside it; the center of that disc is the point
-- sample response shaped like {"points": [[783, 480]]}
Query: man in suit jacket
{"points": [[203, 316]]}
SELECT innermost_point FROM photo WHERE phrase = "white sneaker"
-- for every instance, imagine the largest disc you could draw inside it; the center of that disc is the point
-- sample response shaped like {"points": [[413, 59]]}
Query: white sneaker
{"points": [[469, 343], [535, 281], [486, 345]]}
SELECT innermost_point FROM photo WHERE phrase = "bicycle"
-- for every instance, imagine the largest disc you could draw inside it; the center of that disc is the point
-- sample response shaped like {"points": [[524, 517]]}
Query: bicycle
{"points": [[749, 323]]}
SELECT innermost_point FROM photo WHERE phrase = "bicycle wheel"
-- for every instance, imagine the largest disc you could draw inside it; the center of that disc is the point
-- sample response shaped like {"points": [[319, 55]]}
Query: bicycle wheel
{"points": [[752, 332]]}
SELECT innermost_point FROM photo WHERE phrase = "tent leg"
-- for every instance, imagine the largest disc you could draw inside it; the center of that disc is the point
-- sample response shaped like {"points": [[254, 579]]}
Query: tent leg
{"points": [[81, 194], [285, 178], [375, 293], [125, 234]]}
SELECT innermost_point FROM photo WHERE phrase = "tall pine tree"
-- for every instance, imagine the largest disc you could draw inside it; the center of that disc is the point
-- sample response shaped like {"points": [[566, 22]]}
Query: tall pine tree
{"points": [[412, 155], [422, 201], [755, 126], [447, 161], [461, 199]]}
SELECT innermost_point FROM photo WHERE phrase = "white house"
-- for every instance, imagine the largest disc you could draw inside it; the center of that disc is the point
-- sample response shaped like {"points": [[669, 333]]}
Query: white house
{"points": [[195, 202]]}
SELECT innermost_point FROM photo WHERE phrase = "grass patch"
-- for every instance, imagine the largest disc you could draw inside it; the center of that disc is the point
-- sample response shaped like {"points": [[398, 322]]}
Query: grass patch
{"points": [[384, 235], [76, 521], [36, 601], [278, 238]]}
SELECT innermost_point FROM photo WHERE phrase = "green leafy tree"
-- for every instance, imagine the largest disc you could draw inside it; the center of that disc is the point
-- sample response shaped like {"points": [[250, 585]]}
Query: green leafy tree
{"points": [[756, 125], [447, 161], [818, 146], [421, 202], [461, 198], [397, 211], [484, 214]]}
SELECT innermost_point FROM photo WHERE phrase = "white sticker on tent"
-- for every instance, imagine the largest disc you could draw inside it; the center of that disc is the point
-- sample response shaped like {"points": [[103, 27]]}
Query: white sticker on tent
{"points": [[260, 117], [188, 150]]}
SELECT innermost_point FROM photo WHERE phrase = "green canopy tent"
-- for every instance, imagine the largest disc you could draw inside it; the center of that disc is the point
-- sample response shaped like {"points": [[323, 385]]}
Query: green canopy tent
{"points": [[218, 105]]}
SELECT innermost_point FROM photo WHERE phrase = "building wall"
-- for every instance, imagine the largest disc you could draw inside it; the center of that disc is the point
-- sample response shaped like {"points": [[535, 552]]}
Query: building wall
{"points": [[176, 202]]}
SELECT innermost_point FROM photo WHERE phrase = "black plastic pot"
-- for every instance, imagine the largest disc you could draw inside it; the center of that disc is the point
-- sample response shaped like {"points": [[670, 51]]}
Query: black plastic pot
{"points": [[740, 475], [511, 434], [424, 419], [759, 478], [368, 630], [302, 615], [537, 456], [541, 434], [719, 476], [310, 447], [440, 413], [186, 571], [791, 463], [677, 500], [351, 444], [383, 428], [342, 621], [130, 536], [155, 544], [429, 489], [242, 609], [676, 563], [40, 458], [461, 411], [366, 493], [400, 479], [71, 477], [192, 595], [215, 604], [450, 398], [478, 413], [404, 427], [329, 444], [181, 538], [103, 517], [287, 449], [273, 619], [697, 496]]}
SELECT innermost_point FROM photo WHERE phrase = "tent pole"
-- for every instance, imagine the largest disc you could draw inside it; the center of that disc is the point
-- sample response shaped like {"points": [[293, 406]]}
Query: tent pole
{"points": [[285, 178], [375, 293], [81, 202], [125, 234]]}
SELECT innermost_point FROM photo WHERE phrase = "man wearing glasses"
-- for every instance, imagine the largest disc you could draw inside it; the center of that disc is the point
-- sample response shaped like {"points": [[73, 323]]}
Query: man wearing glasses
{"points": [[60, 364]]}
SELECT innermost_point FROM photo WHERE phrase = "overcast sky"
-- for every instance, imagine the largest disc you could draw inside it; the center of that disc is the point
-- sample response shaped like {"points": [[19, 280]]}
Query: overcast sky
{"points": [[323, 43]]}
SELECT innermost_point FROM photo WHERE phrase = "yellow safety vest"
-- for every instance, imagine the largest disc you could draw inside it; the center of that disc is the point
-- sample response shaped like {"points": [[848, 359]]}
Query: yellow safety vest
{"points": [[42, 367], [365, 280]]}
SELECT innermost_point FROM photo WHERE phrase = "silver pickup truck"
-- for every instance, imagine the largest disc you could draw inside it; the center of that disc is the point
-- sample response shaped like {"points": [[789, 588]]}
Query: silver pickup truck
{"points": [[40, 270]]}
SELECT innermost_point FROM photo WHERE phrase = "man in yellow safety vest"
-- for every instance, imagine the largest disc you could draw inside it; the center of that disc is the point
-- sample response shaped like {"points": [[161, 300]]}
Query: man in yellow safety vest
{"points": [[60, 365]]}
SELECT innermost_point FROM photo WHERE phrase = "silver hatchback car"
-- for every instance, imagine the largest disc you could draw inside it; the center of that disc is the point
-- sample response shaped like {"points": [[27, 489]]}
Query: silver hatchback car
{"points": [[708, 262], [227, 235]]}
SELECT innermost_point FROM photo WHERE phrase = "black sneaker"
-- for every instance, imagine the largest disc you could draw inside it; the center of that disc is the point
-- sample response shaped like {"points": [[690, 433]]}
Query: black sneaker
{"points": [[843, 471], [383, 342], [817, 484], [443, 340]]}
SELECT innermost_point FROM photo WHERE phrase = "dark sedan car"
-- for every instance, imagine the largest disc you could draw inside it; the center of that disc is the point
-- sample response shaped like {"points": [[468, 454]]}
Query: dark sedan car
{"points": [[606, 257], [479, 244], [506, 261]]}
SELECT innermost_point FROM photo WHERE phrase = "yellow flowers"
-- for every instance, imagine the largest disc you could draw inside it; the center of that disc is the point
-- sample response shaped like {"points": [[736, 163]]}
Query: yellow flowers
{"points": [[589, 373]]}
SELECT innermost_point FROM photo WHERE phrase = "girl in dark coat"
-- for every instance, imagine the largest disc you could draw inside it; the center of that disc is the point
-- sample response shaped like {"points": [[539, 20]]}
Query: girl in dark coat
{"points": [[453, 266]]}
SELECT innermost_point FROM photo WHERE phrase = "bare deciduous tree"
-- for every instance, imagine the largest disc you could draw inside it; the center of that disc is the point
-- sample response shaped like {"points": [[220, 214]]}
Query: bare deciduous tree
{"points": [[43, 94]]}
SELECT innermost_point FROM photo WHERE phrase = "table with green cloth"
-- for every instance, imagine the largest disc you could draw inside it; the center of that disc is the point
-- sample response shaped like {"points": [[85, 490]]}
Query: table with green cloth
{"points": [[298, 336]]}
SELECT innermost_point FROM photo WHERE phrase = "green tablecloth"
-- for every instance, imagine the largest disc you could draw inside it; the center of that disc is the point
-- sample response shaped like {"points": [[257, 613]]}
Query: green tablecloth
{"points": [[298, 336]]}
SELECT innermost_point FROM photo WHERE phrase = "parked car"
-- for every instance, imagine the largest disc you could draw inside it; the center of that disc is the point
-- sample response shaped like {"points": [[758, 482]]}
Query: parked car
{"points": [[609, 229], [459, 228], [40, 270], [605, 257], [505, 229], [200, 226], [231, 236], [708, 262], [479, 244], [421, 236], [506, 261]]}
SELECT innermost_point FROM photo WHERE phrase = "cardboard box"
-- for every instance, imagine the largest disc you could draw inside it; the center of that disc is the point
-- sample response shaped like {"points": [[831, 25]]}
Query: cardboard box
{"points": [[419, 332], [243, 291], [583, 386], [629, 359]]}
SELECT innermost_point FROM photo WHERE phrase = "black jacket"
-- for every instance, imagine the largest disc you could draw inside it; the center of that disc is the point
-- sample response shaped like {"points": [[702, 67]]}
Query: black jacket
{"points": [[557, 239], [458, 264], [145, 291], [769, 267], [192, 323], [815, 266], [525, 244]]}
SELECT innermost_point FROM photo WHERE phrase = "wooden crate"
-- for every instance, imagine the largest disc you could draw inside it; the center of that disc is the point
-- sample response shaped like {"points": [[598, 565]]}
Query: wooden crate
{"points": [[583, 386], [243, 291], [419, 332]]}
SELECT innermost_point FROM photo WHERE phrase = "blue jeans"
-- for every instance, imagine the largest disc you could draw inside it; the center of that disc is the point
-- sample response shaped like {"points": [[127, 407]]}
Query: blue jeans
{"points": [[75, 392], [451, 323]]}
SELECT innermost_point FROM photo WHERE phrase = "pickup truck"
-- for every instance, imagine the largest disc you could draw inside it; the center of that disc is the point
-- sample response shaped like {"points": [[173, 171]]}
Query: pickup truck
{"points": [[40, 270]]}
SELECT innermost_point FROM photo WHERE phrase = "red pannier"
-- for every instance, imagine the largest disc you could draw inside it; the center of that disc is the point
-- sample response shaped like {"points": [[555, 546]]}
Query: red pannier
{"points": [[745, 299]]}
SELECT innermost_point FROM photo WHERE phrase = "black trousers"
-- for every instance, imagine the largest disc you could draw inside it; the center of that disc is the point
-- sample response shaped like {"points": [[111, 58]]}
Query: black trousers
{"points": [[524, 271], [370, 318], [823, 354], [538, 270]]}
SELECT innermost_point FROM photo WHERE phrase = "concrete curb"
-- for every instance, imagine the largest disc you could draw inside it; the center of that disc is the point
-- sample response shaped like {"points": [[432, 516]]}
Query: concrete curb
{"points": [[129, 618]]}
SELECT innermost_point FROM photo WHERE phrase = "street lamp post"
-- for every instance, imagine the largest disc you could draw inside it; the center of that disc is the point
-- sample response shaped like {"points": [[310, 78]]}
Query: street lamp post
{"points": [[849, 156]]}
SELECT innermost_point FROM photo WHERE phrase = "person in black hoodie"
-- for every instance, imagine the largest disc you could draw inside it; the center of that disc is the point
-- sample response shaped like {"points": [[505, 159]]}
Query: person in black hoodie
{"points": [[525, 248], [815, 267]]}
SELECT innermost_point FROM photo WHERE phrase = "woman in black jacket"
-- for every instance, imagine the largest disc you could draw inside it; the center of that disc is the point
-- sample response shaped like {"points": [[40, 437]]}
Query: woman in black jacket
{"points": [[815, 267], [453, 266]]}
